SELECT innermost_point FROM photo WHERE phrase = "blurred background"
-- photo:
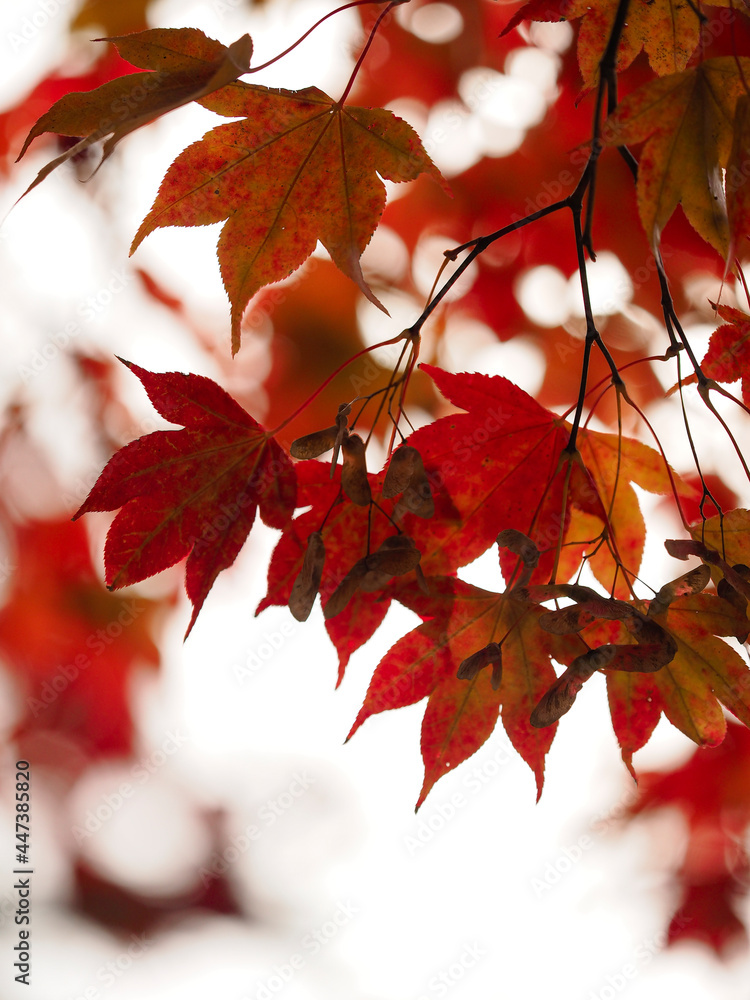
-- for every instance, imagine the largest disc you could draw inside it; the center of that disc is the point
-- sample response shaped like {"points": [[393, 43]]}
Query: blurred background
{"points": [[198, 825]]}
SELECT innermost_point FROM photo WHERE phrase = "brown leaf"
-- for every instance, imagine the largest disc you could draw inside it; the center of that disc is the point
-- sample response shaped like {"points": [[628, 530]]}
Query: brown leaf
{"points": [[189, 66]]}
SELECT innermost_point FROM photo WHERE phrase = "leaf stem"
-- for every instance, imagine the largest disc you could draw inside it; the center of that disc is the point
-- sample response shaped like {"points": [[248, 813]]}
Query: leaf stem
{"points": [[321, 387], [338, 10], [592, 334], [363, 53]]}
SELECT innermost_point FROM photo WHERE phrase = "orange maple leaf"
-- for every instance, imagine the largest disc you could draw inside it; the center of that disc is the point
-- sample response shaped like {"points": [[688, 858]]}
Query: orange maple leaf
{"points": [[299, 168], [687, 121], [614, 462], [667, 30], [738, 195], [704, 672]]}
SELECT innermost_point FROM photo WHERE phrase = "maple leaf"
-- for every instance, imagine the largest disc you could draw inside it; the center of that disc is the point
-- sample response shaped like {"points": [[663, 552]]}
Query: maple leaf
{"points": [[738, 197], [614, 462], [299, 168], [500, 466], [728, 534], [188, 65], [686, 120], [70, 645], [705, 671], [496, 466], [668, 31], [728, 354], [348, 534], [711, 790], [16, 121], [487, 469], [462, 713], [192, 492]]}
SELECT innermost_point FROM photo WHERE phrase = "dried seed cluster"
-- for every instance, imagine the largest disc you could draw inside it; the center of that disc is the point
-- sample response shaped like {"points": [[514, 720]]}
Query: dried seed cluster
{"points": [[396, 555]]}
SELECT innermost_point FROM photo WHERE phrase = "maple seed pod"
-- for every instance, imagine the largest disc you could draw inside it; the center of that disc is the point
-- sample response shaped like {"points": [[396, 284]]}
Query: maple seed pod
{"points": [[420, 486], [354, 472], [643, 658], [683, 548], [342, 432], [307, 583], [490, 654], [346, 590], [520, 545], [417, 497], [556, 701], [566, 620], [727, 589], [397, 555], [559, 698], [400, 470], [315, 444], [406, 475], [375, 579], [692, 582]]}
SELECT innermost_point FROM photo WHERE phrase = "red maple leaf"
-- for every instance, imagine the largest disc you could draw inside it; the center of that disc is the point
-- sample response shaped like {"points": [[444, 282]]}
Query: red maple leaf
{"points": [[462, 711], [728, 352], [70, 645], [712, 791], [192, 492], [345, 535]]}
